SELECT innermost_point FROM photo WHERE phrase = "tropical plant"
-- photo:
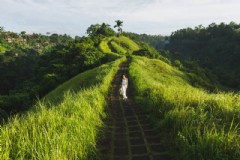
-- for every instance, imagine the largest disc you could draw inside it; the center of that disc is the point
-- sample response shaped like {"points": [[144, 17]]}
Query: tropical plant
{"points": [[119, 25]]}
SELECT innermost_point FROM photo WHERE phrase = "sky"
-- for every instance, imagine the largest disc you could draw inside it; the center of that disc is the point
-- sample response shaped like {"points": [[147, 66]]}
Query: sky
{"points": [[155, 17]]}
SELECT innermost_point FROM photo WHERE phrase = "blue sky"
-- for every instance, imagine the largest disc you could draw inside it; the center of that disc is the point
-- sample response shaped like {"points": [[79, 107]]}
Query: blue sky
{"points": [[73, 17]]}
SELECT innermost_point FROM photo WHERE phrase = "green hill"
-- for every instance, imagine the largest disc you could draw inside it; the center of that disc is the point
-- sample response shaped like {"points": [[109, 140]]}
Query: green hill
{"points": [[202, 125], [65, 124], [120, 45]]}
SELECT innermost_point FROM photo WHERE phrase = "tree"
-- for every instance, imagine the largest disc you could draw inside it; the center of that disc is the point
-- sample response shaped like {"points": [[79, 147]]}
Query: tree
{"points": [[54, 38], [100, 30], [23, 33], [119, 25], [216, 48], [93, 29]]}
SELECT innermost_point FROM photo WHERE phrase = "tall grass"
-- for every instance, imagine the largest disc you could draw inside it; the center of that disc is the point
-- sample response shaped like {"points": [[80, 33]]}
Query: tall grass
{"points": [[103, 46], [117, 48], [203, 125], [62, 128], [126, 43], [119, 45]]}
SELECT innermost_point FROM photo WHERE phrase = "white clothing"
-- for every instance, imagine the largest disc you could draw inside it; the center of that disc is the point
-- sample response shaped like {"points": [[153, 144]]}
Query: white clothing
{"points": [[124, 88], [124, 82]]}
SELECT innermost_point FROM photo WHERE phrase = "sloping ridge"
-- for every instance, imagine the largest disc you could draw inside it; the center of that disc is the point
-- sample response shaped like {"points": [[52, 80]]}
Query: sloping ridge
{"points": [[64, 125], [129, 132], [201, 125], [83, 81], [167, 96], [120, 45], [113, 45]]}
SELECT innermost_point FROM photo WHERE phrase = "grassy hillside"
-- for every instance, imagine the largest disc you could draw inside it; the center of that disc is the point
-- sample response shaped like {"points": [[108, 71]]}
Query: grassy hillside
{"points": [[202, 125], [85, 80], [120, 45], [65, 125]]}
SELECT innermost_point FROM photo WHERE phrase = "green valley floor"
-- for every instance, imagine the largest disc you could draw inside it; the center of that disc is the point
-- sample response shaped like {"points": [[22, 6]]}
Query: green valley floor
{"points": [[129, 134]]}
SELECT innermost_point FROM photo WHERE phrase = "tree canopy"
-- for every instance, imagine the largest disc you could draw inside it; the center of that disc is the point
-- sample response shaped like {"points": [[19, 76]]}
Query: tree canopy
{"points": [[31, 65], [103, 30], [216, 48]]}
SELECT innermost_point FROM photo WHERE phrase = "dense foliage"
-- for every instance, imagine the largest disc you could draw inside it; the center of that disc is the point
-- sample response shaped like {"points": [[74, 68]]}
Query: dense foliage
{"points": [[98, 31], [150, 52], [170, 84], [156, 41], [32, 65], [216, 48]]}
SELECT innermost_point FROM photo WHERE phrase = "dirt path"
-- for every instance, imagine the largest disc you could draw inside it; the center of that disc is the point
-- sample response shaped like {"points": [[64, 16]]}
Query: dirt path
{"points": [[129, 133]]}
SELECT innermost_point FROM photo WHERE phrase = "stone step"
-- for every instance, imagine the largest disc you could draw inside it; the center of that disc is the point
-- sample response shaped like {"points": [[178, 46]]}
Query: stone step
{"points": [[129, 133]]}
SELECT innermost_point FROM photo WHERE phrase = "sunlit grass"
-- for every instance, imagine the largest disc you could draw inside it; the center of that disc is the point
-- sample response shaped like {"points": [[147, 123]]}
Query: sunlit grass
{"points": [[126, 43], [65, 124], [117, 48], [203, 125], [121, 45], [103, 46]]}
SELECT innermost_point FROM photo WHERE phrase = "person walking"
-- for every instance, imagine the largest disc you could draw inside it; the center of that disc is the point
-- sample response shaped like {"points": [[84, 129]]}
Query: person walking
{"points": [[124, 86]]}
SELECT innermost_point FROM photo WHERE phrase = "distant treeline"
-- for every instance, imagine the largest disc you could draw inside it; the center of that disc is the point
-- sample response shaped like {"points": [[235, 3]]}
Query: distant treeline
{"points": [[211, 52], [216, 48], [157, 41]]}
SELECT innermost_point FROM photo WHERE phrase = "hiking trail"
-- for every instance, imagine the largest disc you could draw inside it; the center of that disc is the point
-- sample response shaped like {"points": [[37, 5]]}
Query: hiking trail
{"points": [[129, 134]]}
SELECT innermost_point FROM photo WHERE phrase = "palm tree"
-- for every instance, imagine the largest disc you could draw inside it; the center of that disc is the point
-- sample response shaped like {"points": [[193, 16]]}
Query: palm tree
{"points": [[118, 25]]}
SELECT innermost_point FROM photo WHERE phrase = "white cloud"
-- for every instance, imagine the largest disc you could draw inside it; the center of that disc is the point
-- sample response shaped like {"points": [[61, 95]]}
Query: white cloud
{"points": [[141, 16]]}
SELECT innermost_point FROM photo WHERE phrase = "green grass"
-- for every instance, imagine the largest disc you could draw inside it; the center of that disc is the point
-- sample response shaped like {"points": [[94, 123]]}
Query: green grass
{"points": [[65, 125], [121, 45], [103, 46], [126, 43], [202, 125], [117, 48]]}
